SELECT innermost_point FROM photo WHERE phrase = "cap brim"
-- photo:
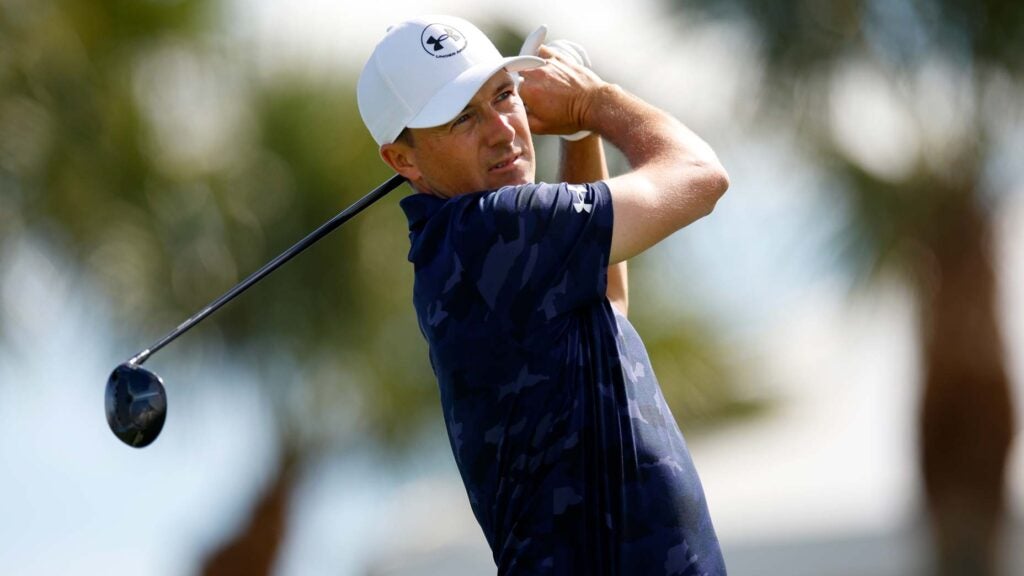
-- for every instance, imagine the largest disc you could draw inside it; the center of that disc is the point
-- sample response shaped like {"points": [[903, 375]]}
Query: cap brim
{"points": [[452, 99]]}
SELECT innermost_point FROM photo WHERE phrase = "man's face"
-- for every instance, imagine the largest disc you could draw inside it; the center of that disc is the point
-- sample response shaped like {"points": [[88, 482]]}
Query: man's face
{"points": [[486, 146]]}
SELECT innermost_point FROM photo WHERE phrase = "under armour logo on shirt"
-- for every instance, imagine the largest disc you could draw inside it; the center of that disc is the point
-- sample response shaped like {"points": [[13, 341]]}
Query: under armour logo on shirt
{"points": [[580, 204]]}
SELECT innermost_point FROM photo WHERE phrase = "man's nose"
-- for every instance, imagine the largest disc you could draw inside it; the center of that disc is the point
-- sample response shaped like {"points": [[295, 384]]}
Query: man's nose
{"points": [[499, 127]]}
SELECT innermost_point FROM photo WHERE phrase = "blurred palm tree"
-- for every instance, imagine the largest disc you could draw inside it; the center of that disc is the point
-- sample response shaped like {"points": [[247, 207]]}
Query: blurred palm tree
{"points": [[906, 103], [150, 150], [132, 139]]}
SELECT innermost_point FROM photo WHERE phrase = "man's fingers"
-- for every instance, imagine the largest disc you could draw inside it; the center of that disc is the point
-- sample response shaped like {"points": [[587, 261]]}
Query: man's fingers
{"points": [[547, 53], [552, 93], [572, 50]]}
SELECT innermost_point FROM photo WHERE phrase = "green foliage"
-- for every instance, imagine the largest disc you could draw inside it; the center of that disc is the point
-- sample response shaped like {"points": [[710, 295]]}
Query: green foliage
{"points": [[698, 373], [805, 45], [793, 35], [72, 132], [99, 102], [800, 37], [992, 30]]}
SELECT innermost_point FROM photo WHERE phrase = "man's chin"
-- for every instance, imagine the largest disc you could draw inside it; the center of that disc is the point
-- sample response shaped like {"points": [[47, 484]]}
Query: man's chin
{"points": [[511, 182], [516, 178]]}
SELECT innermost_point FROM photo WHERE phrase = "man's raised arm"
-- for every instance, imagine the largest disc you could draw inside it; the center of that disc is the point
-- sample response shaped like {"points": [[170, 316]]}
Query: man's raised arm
{"points": [[676, 178]]}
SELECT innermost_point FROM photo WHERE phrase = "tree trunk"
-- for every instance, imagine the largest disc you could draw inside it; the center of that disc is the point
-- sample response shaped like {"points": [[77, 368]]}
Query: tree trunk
{"points": [[967, 420], [253, 550]]}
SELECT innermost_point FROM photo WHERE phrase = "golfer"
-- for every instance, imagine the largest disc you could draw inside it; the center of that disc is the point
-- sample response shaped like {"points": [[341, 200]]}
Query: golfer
{"points": [[572, 462]]}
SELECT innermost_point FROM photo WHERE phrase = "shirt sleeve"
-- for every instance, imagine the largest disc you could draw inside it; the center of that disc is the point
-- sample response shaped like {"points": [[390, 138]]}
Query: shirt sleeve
{"points": [[537, 251]]}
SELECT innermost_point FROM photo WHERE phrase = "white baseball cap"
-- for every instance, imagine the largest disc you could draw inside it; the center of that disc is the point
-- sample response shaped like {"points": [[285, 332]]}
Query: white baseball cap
{"points": [[424, 72]]}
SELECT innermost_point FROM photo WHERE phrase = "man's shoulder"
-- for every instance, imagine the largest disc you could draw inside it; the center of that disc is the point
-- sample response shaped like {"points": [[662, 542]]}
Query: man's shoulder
{"points": [[495, 225], [542, 198], [520, 196]]}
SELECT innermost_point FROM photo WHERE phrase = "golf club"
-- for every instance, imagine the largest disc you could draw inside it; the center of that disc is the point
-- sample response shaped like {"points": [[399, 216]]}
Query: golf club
{"points": [[136, 401]]}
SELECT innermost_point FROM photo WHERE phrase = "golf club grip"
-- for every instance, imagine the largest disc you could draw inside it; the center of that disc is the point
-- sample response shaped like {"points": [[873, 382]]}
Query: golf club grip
{"points": [[324, 229]]}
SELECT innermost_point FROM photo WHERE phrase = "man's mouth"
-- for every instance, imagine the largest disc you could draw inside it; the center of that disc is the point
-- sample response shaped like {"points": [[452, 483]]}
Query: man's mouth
{"points": [[505, 164]]}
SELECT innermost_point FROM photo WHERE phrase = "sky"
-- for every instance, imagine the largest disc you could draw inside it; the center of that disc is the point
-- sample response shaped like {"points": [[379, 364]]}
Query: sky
{"points": [[833, 459]]}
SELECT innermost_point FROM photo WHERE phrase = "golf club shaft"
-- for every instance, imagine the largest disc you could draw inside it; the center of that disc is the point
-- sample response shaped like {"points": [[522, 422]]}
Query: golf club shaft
{"points": [[324, 229]]}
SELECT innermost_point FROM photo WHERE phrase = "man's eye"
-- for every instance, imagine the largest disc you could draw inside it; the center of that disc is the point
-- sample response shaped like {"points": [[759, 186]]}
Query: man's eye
{"points": [[506, 95], [461, 119]]}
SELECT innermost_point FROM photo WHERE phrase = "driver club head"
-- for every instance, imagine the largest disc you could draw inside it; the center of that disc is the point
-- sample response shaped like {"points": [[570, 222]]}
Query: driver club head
{"points": [[136, 404]]}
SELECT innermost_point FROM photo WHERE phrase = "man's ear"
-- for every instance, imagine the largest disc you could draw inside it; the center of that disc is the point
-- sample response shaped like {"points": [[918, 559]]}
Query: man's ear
{"points": [[402, 159]]}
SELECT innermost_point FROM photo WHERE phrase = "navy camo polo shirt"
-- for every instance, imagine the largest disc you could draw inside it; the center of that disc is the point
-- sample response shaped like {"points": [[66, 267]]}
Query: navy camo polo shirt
{"points": [[571, 459]]}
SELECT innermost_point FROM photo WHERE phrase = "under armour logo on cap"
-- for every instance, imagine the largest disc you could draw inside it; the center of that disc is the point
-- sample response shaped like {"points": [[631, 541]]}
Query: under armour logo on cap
{"points": [[442, 41]]}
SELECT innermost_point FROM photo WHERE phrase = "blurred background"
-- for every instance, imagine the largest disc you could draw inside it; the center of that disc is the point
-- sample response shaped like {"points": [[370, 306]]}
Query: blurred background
{"points": [[840, 341]]}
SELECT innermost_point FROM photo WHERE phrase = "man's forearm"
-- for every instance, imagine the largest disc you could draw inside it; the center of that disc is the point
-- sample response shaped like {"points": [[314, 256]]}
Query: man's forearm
{"points": [[676, 176], [645, 134], [584, 161]]}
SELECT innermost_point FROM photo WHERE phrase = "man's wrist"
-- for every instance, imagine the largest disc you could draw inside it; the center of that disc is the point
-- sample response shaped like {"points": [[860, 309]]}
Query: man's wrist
{"points": [[599, 103]]}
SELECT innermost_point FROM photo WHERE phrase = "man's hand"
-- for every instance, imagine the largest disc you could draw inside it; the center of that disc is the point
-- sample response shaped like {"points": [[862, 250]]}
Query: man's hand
{"points": [[573, 51], [557, 96]]}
